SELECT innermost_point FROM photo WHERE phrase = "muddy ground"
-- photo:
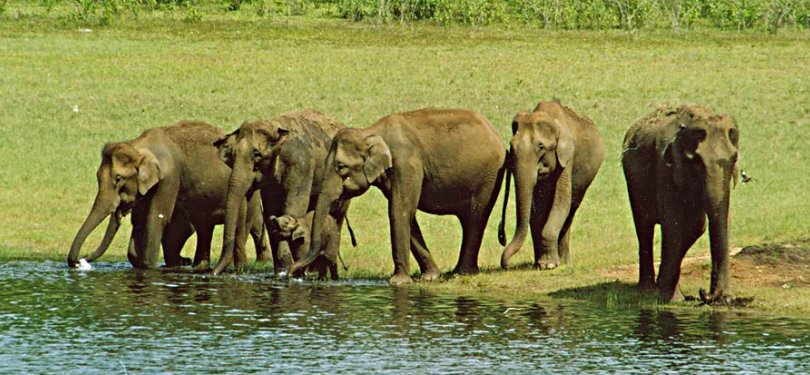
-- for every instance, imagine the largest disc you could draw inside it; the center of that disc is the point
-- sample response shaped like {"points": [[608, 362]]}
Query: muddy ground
{"points": [[768, 265]]}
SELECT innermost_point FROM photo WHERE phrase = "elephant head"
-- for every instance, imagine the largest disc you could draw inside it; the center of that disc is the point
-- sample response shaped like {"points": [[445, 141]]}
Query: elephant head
{"points": [[540, 147], [290, 227], [126, 174], [356, 160], [248, 151], [702, 160]]}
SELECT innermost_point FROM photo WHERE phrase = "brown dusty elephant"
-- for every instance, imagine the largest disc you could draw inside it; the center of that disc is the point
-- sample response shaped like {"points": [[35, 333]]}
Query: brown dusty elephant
{"points": [[299, 229], [282, 159], [555, 155], [679, 164], [441, 161], [173, 182]]}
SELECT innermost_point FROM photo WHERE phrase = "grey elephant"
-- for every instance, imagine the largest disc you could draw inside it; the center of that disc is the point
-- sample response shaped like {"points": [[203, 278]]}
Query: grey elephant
{"points": [[282, 159], [299, 229], [679, 163], [173, 182], [555, 154], [440, 161]]}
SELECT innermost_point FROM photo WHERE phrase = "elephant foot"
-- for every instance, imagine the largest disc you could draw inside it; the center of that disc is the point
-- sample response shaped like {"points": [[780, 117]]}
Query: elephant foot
{"points": [[202, 266], [646, 285], [400, 279], [430, 275], [466, 270], [185, 261], [540, 265], [722, 298]]}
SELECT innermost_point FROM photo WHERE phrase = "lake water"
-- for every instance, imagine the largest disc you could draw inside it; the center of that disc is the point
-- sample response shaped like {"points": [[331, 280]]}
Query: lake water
{"points": [[116, 320]]}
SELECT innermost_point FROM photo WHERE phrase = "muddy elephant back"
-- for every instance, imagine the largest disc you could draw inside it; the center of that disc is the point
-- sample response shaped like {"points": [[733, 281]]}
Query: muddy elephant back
{"points": [[191, 135], [316, 126]]}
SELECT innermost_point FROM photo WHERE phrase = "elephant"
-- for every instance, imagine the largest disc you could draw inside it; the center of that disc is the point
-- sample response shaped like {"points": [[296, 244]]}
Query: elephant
{"points": [[298, 229], [172, 181], [679, 163], [282, 160], [554, 154], [440, 161]]}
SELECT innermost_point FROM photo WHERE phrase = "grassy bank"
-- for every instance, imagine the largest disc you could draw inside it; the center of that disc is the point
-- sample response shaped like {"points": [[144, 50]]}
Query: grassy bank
{"points": [[66, 90]]}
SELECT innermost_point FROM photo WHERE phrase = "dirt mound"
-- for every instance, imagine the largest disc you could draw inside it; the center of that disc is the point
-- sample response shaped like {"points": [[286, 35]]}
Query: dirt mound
{"points": [[776, 254]]}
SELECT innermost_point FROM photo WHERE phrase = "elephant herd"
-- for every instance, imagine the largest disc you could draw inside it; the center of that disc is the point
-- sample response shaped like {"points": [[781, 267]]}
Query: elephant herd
{"points": [[294, 176]]}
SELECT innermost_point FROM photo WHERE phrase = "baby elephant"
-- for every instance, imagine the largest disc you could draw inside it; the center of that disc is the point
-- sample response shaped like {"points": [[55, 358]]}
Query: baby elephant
{"points": [[555, 154], [298, 229], [679, 164]]}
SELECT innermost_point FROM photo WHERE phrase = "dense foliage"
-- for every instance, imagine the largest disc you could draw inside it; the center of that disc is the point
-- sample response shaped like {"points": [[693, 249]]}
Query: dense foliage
{"points": [[770, 15]]}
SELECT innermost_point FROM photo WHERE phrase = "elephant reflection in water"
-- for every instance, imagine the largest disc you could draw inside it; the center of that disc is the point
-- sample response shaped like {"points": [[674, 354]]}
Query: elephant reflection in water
{"points": [[665, 325]]}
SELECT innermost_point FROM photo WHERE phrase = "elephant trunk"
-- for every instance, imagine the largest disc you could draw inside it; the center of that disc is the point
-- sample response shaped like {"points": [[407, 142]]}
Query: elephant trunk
{"points": [[104, 204], [238, 184], [109, 234], [718, 181], [525, 180], [508, 182], [330, 192]]}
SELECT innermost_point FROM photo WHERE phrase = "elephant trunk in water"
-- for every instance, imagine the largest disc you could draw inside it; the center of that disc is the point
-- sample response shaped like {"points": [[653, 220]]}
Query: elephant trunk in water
{"points": [[331, 189], [716, 201], [238, 184], [104, 205], [525, 180]]}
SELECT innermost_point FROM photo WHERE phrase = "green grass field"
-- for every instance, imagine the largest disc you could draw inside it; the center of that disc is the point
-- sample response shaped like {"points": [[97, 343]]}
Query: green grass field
{"points": [[65, 92]]}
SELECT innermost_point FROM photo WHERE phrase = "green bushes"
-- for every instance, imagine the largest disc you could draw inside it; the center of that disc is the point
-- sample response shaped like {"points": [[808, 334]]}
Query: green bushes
{"points": [[763, 15], [590, 14]]}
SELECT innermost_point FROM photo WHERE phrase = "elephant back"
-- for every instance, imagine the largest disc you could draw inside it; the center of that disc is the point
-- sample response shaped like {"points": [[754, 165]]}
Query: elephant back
{"points": [[190, 135], [314, 125]]}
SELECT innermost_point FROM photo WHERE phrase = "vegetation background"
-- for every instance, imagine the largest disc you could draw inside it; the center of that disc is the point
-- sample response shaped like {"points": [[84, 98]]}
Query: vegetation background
{"points": [[76, 74]]}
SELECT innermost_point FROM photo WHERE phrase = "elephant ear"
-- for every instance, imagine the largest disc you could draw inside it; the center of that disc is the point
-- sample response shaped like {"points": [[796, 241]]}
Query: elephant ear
{"points": [[299, 232], [565, 145], [149, 172], [224, 146], [378, 158]]}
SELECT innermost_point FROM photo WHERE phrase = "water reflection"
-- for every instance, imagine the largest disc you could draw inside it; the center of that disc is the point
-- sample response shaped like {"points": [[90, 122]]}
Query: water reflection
{"points": [[55, 320]]}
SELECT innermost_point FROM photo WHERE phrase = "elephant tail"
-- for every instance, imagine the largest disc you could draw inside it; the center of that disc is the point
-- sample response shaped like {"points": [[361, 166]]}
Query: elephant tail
{"points": [[351, 232], [501, 226]]}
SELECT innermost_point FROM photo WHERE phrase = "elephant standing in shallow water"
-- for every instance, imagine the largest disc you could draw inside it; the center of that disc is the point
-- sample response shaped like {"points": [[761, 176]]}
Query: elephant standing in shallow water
{"points": [[679, 164], [555, 155], [282, 159], [299, 229], [441, 161], [173, 182]]}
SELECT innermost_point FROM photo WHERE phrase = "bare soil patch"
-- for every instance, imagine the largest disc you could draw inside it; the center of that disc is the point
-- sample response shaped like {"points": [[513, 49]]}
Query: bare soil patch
{"points": [[785, 265]]}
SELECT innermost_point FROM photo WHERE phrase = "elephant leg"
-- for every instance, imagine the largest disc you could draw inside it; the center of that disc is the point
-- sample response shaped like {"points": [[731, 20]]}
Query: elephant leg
{"points": [[557, 216], [472, 228], [136, 239], [679, 233], [406, 188], [255, 223], [645, 231], [427, 266], [239, 251], [542, 200], [281, 260], [564, 247], [161, 208], [202, 255], [174, 238]]}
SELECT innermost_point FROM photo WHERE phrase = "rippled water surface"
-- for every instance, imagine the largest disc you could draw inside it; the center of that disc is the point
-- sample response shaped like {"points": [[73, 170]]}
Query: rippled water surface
{"points": [[117, 320]]}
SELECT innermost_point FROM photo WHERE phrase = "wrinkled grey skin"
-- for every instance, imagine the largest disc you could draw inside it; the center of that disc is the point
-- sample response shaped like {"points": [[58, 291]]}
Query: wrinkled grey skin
{"points": [[440, 161], [173, 182], [282, 159], [298, 230], [555, 155], [679, 164]]}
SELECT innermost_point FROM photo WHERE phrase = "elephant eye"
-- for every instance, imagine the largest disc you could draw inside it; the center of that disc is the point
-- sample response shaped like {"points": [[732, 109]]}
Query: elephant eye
{"points": [[118, 179], [541, 147], [341, 168], [257, 154]]}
